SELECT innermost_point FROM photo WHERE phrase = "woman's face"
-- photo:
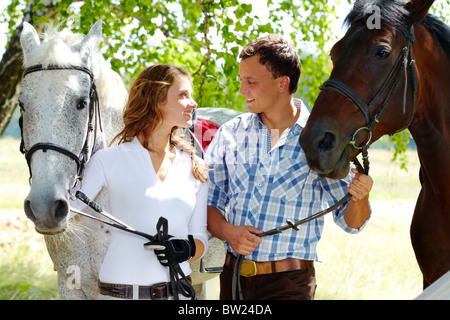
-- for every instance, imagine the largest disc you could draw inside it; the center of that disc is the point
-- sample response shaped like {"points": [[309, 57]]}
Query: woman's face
{"points": [[178, 107]]}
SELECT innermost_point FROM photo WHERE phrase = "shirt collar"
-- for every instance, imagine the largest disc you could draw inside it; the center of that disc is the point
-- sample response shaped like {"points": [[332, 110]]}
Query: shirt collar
{"points": [[304, 113], [133, 145]]}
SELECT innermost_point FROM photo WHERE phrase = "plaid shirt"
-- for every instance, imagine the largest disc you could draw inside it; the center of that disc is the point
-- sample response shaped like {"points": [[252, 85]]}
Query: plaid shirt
{"points": [[252, 184]]}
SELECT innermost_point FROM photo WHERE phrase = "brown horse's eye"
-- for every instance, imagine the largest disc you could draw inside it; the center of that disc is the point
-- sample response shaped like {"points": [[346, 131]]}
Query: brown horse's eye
{"points": [[381, 52]]}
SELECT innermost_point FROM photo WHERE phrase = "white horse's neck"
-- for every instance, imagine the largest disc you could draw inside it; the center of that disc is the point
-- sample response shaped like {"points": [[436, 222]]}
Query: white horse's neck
{"points": [[112, 96]]}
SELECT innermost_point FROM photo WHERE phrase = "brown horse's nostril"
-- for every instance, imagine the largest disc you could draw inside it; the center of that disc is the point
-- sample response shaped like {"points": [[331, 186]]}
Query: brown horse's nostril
{"points": [[326, 142]]}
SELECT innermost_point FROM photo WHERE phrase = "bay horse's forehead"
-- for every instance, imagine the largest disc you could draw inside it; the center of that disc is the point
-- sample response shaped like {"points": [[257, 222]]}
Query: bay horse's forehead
{"points": [[360, 37], [379, 14]]}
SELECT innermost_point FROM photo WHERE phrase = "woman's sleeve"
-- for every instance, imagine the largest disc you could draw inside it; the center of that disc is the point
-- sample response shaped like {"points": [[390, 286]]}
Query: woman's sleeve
{"points": [[197, 224]]}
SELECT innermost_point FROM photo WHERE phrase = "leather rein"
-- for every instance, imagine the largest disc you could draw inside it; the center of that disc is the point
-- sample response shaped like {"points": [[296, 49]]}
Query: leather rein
{"points": [[400, 69]]}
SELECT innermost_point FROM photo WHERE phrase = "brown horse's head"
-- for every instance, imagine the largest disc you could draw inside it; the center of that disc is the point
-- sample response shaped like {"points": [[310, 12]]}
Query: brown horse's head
{"points": [[370, 91]]}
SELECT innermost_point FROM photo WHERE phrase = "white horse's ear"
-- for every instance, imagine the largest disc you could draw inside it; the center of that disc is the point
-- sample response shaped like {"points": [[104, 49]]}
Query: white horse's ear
{"points": [[90, 42], [29, 39]]}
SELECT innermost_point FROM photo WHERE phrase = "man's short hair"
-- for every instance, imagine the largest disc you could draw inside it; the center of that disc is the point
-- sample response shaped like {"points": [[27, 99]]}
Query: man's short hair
{"points": [[278, 56]]}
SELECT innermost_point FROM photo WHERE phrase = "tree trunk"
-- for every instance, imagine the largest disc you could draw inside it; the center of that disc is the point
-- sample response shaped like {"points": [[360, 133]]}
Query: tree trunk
{"points": [[11, 67]]}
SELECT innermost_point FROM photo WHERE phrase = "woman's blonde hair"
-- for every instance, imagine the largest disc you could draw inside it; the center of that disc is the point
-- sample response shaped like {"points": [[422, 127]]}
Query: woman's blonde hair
{"points": [[143, 114]]}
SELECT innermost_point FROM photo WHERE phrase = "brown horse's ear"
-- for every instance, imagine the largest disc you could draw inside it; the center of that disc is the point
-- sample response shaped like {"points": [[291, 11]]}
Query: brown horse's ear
{"points": [[419, 8]]}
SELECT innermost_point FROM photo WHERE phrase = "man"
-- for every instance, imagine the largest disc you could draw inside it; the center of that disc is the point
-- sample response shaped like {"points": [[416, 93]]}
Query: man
{"points": [[259, 172]]}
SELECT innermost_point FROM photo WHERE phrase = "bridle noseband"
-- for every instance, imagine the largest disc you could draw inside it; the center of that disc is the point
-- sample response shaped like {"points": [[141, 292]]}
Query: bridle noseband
{"points": [[400, 69], [94, 120]]}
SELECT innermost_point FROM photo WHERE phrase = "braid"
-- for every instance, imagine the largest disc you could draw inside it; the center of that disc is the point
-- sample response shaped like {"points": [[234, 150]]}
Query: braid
{"points": [[178, 138]]}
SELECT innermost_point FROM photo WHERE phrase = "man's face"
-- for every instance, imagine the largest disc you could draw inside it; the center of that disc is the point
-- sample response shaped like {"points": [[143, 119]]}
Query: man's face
{"points": [[258, 85]]}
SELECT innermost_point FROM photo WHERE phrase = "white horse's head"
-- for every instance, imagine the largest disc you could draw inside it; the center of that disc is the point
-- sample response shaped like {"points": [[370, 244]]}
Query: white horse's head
{"points": [[55, 101]]}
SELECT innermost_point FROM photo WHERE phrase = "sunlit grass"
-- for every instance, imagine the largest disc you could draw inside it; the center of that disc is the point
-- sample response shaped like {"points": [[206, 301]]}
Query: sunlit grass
{"points": [[378, 262], [26, 271]]}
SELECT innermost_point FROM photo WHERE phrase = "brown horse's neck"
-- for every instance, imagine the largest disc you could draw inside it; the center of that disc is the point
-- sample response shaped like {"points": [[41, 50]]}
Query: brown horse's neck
{"points": [[431, 126]]}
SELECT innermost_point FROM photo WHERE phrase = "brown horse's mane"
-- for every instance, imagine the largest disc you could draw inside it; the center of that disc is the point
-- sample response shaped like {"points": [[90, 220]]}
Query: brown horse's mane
{"points": [[395, 16], [439, 30]]}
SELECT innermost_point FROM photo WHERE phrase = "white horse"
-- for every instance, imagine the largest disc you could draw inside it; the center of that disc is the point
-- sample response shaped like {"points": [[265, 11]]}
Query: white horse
{"points": [[55, 103]]}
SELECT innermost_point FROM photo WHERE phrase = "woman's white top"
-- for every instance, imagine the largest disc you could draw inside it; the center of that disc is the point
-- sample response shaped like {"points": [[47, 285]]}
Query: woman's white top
{"points": [[138, 198]]}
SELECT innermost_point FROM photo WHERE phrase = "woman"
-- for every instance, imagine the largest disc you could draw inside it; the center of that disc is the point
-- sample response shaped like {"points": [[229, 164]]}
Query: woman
{"points": [[152, 172]]}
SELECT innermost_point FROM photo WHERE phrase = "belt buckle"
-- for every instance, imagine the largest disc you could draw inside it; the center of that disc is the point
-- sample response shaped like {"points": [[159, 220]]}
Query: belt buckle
{"points": [[248, 268], [159, 291]]}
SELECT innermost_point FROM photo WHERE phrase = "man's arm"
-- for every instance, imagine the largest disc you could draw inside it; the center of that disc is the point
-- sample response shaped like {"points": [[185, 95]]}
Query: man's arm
{"points": [[358, 210], [241, 238]]}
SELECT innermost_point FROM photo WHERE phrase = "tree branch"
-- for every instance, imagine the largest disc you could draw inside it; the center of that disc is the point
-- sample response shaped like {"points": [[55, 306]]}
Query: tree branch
{"points": [[11, 68], [208, 48], [205, 37]]}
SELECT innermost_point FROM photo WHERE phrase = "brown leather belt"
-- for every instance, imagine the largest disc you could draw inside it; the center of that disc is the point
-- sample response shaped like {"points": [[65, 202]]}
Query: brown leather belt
{"points": [[253, 268], [159, 291]]}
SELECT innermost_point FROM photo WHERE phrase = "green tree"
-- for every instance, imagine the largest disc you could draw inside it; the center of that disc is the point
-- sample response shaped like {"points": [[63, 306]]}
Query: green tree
{"points": [[204, 36]]}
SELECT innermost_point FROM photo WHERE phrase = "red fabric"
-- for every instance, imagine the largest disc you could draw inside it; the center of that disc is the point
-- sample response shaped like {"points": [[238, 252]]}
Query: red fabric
{"points": [[204, 131]]}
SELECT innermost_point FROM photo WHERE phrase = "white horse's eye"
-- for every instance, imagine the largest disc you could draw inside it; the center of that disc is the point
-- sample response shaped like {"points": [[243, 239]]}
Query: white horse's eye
{"points": [[21, 106], [82, 104]]}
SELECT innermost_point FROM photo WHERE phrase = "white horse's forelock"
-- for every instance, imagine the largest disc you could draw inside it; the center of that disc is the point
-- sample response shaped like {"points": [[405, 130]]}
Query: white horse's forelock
{"points": [[55, 49]]}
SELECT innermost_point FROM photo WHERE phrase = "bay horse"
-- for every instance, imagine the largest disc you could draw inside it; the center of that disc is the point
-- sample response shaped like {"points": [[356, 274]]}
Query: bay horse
{"points": [[386, 79], [71, 104]]}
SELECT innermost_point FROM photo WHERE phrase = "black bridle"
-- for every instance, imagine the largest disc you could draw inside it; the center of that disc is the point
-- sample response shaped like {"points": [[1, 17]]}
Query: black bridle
{"points": [[400, 69], [94, 119]]}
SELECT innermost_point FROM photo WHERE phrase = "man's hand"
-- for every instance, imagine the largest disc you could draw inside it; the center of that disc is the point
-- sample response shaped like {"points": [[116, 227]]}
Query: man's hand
{"points": [[242, 239], [360, 186]]}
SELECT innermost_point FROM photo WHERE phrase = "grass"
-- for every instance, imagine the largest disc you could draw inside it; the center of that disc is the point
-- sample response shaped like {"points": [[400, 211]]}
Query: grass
{"points": [[26, 270], [13, 175], [377, 263], [391, 182]]}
